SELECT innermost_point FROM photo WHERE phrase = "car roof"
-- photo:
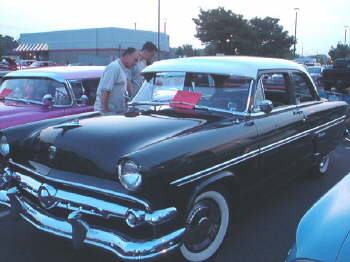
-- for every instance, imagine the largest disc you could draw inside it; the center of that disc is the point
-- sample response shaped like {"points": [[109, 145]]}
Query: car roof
{"points": [[60, 73], [247, 66]]}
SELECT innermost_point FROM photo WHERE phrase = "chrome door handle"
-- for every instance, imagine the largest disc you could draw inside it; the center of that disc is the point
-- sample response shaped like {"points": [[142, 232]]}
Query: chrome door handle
{"points": [[321, 134]]}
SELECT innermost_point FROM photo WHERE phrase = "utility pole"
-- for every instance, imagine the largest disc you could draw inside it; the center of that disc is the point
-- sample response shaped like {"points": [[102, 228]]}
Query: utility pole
{"points": [[346, 29], [295, 28], [158, 29]]}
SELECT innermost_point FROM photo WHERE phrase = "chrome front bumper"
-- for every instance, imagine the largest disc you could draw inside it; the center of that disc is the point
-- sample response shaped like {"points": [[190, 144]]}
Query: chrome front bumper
{"points": [[76, 228]]}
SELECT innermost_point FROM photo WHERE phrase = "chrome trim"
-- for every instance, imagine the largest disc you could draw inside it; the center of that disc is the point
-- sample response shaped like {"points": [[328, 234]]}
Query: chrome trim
{"points": [[73, 123], [274, 110], [198, 175], [122, 246], [50, 197], [216, 168], [86, 187], [249, 96]]}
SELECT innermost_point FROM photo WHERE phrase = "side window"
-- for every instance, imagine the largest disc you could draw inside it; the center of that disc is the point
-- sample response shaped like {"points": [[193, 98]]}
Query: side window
{"points": [[303, 88], [61, 96], [276, 89]]}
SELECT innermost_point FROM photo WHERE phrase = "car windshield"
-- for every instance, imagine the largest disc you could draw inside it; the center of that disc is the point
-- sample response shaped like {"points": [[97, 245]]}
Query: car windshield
{"points": [[222, 92], [32, 90], [314, 70]]}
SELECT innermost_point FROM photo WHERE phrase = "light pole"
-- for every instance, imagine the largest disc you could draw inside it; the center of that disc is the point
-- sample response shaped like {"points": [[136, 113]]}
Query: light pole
{"points": [[158, 29], [346, 29], [165, 20], [295, 28]]}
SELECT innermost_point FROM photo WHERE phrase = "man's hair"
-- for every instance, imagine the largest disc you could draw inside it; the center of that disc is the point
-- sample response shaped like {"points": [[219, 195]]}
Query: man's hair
{"points": [[129, 51], [149, 46]]}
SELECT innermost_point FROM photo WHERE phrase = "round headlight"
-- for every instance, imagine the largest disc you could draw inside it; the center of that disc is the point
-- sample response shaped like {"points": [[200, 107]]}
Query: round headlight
{"points": [[4, 146], [129, 175]]}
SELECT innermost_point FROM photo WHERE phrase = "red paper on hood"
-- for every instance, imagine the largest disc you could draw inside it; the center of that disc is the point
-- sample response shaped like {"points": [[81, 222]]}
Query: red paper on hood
{"points": [[185, 99], [5, 92]]}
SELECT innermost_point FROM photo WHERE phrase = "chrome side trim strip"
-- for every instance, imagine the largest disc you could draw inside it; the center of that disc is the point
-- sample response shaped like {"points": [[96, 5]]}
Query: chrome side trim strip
{"points": [[198, 175], [216, 168], [86, 187]]}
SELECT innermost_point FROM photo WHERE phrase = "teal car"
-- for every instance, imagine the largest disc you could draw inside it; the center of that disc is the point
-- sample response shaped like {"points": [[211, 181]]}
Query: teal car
{"points": [[323, 234]]}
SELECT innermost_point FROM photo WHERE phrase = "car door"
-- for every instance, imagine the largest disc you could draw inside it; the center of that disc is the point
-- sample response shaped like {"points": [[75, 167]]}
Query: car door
{"points": [[323, 119], [282, 140]]}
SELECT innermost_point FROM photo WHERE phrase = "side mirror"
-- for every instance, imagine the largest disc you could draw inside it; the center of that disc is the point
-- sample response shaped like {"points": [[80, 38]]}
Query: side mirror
{"points": [[266, 106], [83, 100], [47, 100]]}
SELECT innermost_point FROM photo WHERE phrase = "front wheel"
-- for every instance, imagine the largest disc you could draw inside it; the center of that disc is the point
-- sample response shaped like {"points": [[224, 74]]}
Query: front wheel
{"points": [[207, 225]]}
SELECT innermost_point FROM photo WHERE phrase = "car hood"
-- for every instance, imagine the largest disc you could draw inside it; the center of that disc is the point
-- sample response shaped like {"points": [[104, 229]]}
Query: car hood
{"points": [[12, 113], [94, 146], [323, 229]]}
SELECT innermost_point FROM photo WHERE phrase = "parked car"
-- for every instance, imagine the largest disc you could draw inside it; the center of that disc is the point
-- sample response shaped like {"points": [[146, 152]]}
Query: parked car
{"points": [[24, 64], [201, 135], [8, 64], [323, 232], [37, 94], [316, 73], [338, 75], [43, 64]]}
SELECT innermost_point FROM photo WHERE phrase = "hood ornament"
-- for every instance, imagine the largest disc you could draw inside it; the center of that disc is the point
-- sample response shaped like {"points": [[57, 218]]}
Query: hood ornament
{"points": [[72, 124], [52, 152]]}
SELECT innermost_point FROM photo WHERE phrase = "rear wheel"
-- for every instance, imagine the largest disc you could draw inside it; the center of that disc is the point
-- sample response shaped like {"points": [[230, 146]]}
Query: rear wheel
{"points": [[321, 168], [207, 225]]}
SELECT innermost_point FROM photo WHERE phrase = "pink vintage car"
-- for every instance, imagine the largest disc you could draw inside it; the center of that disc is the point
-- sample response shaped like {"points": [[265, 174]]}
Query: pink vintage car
{"points": [[37, 94]]}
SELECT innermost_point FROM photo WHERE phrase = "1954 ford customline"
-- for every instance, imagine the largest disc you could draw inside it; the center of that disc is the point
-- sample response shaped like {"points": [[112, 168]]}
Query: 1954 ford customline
{"points": [[201, 135]]}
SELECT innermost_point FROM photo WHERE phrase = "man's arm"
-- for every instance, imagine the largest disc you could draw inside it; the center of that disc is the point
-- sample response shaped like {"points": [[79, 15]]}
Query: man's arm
{"points": [[105, 99]]}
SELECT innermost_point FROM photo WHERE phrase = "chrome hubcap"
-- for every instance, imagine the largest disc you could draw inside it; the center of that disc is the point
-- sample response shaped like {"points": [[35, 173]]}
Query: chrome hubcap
{"points": [[323, 166], [203, 224]]}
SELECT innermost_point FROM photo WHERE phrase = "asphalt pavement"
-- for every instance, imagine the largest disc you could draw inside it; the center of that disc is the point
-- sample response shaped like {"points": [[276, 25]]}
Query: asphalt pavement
{"points": [[264, 231]]}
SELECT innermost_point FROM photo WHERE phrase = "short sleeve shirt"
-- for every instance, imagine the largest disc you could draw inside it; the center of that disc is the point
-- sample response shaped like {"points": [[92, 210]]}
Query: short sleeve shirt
{"points": [[114, 80], [136, 77]]}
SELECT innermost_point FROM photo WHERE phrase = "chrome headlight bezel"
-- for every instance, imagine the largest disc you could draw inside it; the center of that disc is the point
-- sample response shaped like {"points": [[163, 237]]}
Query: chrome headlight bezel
{"points": [[129, 175], [4, 146]]}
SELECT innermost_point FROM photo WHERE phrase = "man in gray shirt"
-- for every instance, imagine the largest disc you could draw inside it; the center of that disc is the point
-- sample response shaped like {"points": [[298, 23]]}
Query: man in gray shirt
{"points": [[145, 58], [113, 83]]}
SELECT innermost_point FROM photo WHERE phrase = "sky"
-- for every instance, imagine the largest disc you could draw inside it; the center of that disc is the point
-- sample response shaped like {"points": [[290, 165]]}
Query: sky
{"points": [[320, 24]]}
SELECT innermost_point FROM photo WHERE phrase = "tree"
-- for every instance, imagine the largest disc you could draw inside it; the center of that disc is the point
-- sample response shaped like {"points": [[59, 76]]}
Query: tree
{"points": [[223, 29], [232, 34], [187, 50], [7, 44], [269, 38], [341, 51]]}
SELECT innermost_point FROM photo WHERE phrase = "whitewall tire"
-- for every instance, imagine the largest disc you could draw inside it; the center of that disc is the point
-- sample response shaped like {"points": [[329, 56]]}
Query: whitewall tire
{"points": [[207, 225]]}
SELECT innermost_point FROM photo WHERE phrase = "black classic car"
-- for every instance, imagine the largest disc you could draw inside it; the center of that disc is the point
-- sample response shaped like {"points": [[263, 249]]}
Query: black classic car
{"points": [[200, 136]]}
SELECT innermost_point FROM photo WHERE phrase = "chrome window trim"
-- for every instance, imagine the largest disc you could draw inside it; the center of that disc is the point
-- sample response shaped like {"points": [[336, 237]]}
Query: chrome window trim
{"points": [[200, 174], [86, 187], [249, 96]]}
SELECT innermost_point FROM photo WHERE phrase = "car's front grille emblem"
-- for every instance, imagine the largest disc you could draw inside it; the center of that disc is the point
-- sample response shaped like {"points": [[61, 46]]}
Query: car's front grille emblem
{"points": [[52, 152]]}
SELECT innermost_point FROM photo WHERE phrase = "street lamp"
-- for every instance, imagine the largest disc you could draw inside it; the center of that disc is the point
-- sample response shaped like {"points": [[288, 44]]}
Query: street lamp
{"points": [[295, 28], [346, 29]]}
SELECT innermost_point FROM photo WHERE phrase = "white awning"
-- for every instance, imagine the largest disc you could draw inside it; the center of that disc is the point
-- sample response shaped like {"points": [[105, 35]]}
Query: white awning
{"points": [[32, 47]]}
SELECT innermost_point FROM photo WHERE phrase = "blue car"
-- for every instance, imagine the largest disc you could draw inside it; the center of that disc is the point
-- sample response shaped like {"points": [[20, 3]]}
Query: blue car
{"points": [[323, 234]]}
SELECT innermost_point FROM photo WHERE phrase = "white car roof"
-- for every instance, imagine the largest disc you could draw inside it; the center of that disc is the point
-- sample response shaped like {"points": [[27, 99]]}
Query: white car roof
{"points": [[247, 66]]}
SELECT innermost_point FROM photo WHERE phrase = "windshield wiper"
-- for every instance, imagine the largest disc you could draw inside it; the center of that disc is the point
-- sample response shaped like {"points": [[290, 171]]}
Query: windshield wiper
{"points": [[25, 101]]}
